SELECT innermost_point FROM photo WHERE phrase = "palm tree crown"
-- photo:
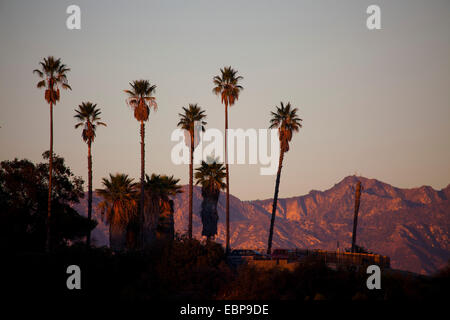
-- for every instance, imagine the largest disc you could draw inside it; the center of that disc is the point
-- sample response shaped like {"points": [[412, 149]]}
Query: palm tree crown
{"points": [[140, 99], [162, 186], [211, 175], [89, 117], [53, 74], [287, 122], [119, 199], [192, 114], [227, 85]]}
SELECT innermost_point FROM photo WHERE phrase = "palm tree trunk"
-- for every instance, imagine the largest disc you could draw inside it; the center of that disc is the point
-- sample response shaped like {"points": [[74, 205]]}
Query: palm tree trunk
{"points": [[209, 212], [227, 208], [50, 171], [141, 211], [355, 217], [88, 238], [191, 184], [275, 200]]}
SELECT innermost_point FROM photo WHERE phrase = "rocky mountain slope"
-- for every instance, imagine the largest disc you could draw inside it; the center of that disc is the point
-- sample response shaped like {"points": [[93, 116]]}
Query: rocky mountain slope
{"points": [[409, 225]]}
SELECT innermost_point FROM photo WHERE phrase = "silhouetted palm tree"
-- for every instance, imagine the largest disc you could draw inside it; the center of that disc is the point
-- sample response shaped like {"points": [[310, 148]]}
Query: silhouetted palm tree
{"points": [[53, 74], [287, 122], [89, 117], [159, 206], [210, 176], [141, 100], [192, 115], [227, 86], [119, 206]]}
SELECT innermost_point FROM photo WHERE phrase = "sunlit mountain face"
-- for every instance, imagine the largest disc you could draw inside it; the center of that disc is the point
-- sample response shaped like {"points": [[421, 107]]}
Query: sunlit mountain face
{"points": [[409, 225]]}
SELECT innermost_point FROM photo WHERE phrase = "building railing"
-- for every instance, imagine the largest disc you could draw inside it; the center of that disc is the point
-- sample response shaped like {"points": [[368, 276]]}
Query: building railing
{"points": [[332, 257]]}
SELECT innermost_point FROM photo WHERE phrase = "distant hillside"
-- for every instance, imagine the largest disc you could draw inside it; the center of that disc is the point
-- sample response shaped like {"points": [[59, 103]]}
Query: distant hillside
{"points": [[409, 225]]}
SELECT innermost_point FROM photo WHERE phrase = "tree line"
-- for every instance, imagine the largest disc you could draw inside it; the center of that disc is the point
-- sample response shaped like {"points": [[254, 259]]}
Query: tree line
{"points": [[140, 212]]}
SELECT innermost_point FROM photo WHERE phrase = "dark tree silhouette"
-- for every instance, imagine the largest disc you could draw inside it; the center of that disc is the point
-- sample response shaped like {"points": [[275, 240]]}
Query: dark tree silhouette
{"points": [[54, 75], [89, 117], [287, 122], [159, 222], [140, 99], [188, 119], [228, 87], [23, 205], [119, 207], [210, 176]]}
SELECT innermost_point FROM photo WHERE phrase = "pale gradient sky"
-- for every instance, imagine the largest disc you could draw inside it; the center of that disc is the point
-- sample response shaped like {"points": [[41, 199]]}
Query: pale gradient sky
{"points": [[373, 102]]}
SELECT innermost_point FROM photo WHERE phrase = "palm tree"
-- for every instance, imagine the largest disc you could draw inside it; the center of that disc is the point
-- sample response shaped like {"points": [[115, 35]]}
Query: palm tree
{"points": [[118, 206], [89, 117], [53, 75], [210, 176], [192, 115], [287, 122], [140, 99], [227, 86], [159, 206]]}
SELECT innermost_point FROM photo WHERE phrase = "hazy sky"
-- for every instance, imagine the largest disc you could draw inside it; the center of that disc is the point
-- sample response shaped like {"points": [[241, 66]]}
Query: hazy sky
{"points": [[373, 102]]}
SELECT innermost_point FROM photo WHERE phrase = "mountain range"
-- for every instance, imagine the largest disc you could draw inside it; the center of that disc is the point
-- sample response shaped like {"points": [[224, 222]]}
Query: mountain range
{"points": [[409, 225]]}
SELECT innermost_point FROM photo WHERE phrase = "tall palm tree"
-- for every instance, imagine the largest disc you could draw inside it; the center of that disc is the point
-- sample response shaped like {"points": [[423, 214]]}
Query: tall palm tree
{"points": [[54, 75], [118, 206], [89, 117], [159, 206], [210, 176], [287, 122], [188, 119], [141, 99], [227, 86]]}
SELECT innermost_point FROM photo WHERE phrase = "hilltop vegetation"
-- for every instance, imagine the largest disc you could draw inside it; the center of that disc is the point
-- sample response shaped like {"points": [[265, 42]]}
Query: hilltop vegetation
{"points": [[191, 270]]}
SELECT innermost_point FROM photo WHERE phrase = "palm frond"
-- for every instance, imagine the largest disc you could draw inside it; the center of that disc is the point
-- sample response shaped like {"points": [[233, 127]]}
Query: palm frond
{"points": [[41, 84], [39, 73]]}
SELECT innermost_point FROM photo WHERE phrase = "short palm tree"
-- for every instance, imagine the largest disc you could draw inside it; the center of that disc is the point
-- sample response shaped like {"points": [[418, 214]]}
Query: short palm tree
{"points": [[141, 100], [54, 75], [192, 116], [88, 116], [119, 206], [287, 122], [159, 206], [227, 86], [210, 176]]}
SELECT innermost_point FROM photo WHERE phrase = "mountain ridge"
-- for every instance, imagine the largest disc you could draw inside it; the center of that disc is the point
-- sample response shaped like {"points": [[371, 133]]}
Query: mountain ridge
{"points": [[409, 225]]}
